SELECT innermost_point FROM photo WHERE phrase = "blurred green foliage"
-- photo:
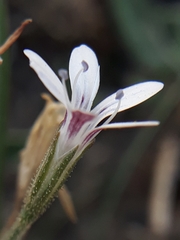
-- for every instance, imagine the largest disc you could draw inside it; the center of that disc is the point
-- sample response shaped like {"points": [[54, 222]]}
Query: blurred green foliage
{"points": [[4, 91], [151, 31]]}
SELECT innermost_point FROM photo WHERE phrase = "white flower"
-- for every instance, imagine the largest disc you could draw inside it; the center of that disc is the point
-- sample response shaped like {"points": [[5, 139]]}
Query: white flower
{"points": [[81, 123]]}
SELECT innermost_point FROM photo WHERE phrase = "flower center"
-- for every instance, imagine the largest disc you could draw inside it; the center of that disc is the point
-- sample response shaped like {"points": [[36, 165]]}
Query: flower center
{"points": [[77, 121]]}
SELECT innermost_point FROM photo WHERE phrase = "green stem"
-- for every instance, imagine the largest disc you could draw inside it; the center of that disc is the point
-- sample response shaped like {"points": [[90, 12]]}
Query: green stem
{"points": [[20, 226], [42, 192]]}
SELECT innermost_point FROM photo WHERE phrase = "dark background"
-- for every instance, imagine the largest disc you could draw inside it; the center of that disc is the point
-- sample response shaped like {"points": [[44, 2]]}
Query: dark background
{"points": [[135, 40]]}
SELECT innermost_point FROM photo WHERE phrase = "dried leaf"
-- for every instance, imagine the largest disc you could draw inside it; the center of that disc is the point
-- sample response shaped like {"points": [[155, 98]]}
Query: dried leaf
{"points": [[13, 37], [67, 204]]}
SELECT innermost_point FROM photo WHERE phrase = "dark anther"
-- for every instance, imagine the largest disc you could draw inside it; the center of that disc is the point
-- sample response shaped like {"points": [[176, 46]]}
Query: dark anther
{"points": [[63, 73], [119, 94], [85, 66]]}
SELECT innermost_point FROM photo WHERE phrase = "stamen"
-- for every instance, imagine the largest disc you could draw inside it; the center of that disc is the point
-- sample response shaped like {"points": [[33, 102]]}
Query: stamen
{"points": [[63, 73], [74, 93], [84, 69], [85, 66], [76, 78], [119, 95]]}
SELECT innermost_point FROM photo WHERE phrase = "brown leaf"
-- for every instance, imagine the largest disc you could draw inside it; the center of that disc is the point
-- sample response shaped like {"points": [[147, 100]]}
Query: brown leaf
{"points": [[13, 37], [67, 204]]}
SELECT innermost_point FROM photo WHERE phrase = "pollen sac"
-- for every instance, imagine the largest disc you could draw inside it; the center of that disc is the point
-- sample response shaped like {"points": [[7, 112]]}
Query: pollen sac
{"points": [[63, 73], [119, 94], [85, 66]]}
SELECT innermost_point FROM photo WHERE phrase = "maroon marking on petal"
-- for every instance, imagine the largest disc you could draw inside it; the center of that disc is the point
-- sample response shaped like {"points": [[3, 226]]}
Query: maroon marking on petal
{"points": [[90, 136], [102, 110], [77, 121], [82, 100]]}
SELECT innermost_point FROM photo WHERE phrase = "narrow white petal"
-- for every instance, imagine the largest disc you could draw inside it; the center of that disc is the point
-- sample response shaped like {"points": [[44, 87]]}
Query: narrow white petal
{"points": [[139, 93], [128, 125], [85, 86], [93, 133], [133, 96], [46, 75]]}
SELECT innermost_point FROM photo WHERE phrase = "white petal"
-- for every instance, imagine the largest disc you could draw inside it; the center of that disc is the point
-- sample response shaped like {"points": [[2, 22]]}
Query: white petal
{"points": [[46, 75], [129, 125], [93, 133], [94, 90], [133, 96], [85, 86]]}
